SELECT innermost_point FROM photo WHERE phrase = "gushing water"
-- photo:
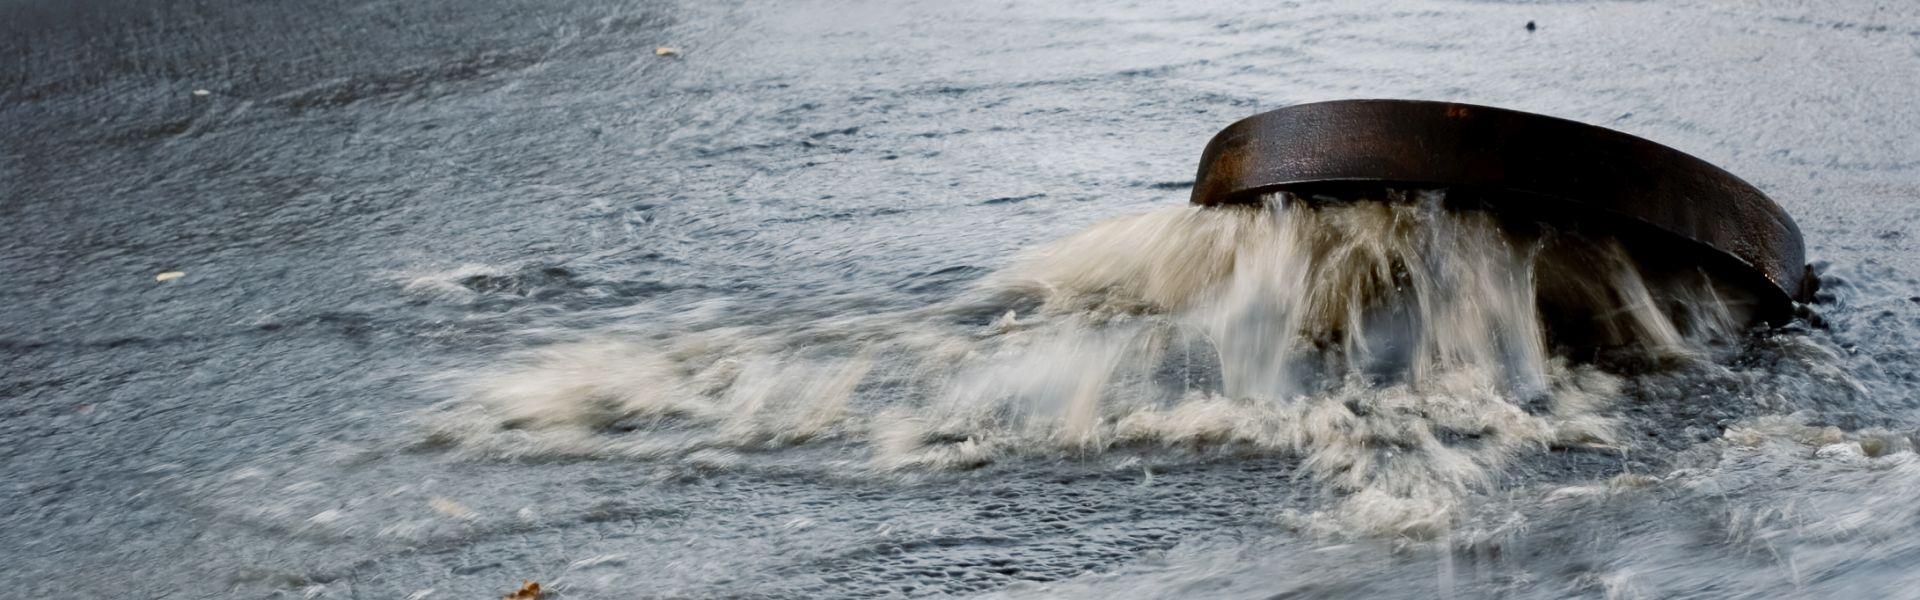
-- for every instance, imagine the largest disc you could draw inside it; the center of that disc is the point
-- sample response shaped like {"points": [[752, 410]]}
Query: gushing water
{"points": [[1395, 346]]}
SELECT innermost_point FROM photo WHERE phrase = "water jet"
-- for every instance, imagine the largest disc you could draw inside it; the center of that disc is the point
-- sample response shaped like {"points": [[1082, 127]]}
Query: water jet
{"points": [[1673, 216]]}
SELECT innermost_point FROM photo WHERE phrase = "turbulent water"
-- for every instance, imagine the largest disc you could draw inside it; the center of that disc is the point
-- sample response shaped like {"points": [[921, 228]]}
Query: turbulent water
{"points": [[1393, 346], [840, 299]]}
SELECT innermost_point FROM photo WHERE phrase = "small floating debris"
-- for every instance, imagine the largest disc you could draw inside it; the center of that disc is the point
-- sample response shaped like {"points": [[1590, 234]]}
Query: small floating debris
{"points": [[529, 590], [169, 276], [202, 93], [666, 51]]}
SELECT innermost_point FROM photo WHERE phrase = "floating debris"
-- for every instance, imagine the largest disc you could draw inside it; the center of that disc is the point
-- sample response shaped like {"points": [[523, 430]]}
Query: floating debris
{"points": [[528, 591], [666, 51], [169, 276], [202, 93]]}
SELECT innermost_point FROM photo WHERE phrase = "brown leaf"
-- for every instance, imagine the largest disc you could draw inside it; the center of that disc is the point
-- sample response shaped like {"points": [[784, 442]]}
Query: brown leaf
{"points": [[528, 591]]}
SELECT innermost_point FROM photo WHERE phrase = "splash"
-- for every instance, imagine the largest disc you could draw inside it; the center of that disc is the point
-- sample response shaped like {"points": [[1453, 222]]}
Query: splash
{"points": [[1396, 347]]}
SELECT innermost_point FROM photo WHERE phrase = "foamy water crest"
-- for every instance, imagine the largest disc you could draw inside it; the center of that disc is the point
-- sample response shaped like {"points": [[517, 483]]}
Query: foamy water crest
{"points": [[1394, 347]]}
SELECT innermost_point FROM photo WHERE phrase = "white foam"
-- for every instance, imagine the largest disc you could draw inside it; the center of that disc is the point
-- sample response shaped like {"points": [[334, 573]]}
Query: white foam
{"points": [[1395, 347]]}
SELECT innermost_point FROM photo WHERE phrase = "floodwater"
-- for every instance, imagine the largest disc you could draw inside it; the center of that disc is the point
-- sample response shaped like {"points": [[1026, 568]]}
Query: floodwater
{"points": [[844, 299]]}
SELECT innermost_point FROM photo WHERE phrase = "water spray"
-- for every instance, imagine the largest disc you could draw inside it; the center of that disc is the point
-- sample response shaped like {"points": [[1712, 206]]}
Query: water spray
{"points": [[1580, 196]]}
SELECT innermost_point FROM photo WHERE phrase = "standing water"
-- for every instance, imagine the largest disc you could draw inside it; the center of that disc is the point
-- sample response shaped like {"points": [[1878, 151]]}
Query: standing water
{"points": [[422, 299]]}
